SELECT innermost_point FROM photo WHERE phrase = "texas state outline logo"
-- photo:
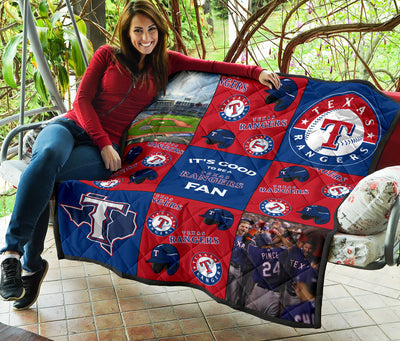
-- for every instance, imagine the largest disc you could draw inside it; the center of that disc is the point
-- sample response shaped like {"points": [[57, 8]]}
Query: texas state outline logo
{"points": [[108, 220], [341, 129]]}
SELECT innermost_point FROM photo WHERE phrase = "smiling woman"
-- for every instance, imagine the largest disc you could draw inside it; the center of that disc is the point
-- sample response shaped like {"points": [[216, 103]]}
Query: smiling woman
{"points": [[144, 35]]}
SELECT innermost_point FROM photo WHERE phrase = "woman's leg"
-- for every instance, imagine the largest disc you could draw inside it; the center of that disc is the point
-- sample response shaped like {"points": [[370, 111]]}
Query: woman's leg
{"points": [[50, 152], [84, 163], [62, 151]]}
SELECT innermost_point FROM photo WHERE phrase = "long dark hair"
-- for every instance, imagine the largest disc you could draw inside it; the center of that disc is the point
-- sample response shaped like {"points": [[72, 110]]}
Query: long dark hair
{"points": [[127, 53]]}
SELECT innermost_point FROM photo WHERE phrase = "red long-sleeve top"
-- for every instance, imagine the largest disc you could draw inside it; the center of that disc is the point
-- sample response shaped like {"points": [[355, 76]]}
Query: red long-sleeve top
{"points": [[106, 82]]}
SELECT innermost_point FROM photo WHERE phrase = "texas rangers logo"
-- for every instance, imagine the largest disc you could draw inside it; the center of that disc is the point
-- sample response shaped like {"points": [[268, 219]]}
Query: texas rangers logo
{"points": [[161, 223], [107, 183], [258, 145], [108, 220], [156, 159], [207, 268], [340, 129], [275, 207], [234, 108], [336, 191]]}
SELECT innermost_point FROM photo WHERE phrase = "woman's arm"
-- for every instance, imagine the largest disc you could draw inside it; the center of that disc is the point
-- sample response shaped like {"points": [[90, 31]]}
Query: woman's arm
{"points": [[83, 107], [111, 158], [85, 113], [270, 79]]}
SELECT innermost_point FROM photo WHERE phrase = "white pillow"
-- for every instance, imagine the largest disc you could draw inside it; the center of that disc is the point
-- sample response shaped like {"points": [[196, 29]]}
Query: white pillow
{"points": [[356, 250], [367, 208]]}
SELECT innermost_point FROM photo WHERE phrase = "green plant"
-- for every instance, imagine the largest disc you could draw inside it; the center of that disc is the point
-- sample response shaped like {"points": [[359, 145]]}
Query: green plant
{"points": [[7, 202], [332, 40], [59, 43]]}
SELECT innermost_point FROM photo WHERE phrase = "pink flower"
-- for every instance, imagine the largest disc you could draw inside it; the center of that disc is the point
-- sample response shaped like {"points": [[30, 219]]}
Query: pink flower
{"points": [[373, 185]]}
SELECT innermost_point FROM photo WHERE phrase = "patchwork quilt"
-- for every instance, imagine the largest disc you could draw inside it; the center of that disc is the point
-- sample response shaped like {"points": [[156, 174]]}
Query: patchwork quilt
{"points": [[232, 188]]}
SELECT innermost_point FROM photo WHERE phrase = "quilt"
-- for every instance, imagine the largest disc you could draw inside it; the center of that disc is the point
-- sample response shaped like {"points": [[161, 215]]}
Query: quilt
{"points": [[231, 187]]}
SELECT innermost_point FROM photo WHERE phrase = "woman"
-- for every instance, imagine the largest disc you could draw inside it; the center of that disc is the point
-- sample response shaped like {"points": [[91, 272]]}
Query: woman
{"points": [[83, 145]]}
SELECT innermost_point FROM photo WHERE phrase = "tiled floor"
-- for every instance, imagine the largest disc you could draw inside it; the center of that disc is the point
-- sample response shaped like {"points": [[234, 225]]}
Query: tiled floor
{"points": [[83, 301]]}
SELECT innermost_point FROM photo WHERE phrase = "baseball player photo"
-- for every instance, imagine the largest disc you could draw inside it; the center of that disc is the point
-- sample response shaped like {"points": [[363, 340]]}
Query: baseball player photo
{"points": [[238, 267], [267, 275], [274, 267], [305, 286], [297, 259]]}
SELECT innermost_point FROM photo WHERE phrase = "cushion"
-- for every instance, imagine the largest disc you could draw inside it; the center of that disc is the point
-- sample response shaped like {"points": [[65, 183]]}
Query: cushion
{"points": [[367, 208], [356, 250]]}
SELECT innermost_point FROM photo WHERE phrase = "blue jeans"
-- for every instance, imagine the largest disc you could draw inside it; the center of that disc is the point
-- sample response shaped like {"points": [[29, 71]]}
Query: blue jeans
{"points": [[62, 151]]}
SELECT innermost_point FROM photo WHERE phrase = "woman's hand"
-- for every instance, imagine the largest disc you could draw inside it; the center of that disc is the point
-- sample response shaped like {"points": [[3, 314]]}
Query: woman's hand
{"points": [[111, 158], [270, 79]]}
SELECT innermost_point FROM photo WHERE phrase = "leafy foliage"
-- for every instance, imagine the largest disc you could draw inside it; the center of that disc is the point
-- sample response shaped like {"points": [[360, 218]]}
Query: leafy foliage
{"points": [[359, 47], [60, 47], [335, 40]]}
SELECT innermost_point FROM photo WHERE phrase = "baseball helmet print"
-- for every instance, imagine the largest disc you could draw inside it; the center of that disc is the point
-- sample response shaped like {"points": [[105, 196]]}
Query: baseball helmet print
{"points": [[222, 137], [320, 214], [143, 174], [284, 96], [164, 256], [132, 154], [294, 173], [222, 218]]}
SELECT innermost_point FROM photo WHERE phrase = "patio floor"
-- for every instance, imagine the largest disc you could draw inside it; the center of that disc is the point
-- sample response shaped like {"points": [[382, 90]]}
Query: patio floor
{"points": [[83, 301]]}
